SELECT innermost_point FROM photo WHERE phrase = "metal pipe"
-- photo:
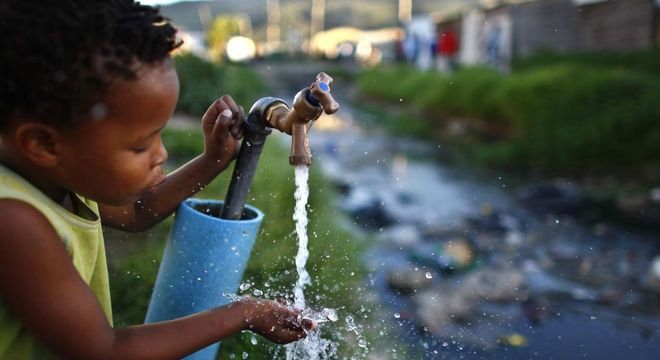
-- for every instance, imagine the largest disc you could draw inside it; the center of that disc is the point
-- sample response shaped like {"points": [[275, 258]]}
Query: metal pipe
{"points": [[255, 130]]}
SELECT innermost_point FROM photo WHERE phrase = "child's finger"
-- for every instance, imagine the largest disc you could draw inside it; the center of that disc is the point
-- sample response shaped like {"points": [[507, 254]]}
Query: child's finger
{"points": [[237, 127], [214, 110], [222, 122], [310, 324], [289, 334], [231, 104]]}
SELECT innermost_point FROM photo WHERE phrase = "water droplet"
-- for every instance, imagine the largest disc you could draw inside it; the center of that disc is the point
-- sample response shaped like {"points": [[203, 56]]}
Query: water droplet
{"points": [[245, 355], [257, 292], [331, 314], [397, 315], [362, 342], [429, 275], [253, 340], [245, 286]]}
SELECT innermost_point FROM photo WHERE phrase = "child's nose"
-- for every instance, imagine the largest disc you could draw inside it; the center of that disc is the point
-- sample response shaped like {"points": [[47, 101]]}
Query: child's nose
{"points": [[161, 155]]}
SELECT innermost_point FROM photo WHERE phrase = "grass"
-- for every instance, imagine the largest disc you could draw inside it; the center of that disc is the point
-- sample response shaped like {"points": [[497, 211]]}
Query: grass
{"points": [[556, 116]]}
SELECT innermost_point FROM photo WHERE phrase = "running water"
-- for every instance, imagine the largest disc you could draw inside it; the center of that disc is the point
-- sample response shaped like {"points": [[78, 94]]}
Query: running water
{"points": [[313, 347], [300, 217]]}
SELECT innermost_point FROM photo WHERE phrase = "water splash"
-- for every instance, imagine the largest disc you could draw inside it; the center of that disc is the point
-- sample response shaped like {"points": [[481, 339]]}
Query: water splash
{"points": [[313, 346]]}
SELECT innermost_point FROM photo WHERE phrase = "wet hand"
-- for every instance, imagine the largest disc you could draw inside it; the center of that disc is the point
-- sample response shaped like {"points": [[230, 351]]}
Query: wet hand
{"points": [[223, 128], [275, 321]]}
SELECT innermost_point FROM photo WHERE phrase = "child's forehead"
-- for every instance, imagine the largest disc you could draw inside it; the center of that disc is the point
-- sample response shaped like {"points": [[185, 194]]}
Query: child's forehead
{"points": [[150, 96]]}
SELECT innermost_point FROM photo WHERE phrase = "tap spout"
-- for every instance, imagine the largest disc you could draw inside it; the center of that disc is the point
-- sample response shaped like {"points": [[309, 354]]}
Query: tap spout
{"points": [[308, 105]]}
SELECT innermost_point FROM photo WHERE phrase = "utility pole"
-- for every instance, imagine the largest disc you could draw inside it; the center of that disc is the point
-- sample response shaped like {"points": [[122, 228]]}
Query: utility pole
{"points": [[318, 17], [405, 11], [273, 19]]}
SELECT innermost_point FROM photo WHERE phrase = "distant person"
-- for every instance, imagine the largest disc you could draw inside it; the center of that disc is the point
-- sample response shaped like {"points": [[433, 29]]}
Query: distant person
{"points": [[87, 88], [448, 48], [410, 48], [493, 47]]}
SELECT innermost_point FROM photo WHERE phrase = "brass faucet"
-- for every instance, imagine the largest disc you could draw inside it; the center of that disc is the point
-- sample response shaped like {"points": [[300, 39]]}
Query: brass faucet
{"points": [[308, 105]]}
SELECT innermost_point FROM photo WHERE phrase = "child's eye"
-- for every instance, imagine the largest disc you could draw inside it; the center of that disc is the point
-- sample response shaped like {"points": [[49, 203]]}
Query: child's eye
{"points": [[139, 150]]}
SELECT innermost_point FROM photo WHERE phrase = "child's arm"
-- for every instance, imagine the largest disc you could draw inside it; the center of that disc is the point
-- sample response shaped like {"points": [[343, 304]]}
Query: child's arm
{"points": [[222, 129], [41, 287]]}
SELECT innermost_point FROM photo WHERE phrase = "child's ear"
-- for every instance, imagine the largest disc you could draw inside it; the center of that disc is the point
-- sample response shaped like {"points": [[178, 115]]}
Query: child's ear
{"points": [[38, 142]]}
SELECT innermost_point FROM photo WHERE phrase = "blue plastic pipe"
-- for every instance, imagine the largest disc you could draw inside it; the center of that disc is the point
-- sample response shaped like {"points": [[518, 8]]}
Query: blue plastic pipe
{"points": [[204, 259]]}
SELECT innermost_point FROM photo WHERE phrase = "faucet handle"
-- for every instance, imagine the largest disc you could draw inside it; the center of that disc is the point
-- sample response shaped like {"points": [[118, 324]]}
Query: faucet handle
{"points": [[320, 89]]}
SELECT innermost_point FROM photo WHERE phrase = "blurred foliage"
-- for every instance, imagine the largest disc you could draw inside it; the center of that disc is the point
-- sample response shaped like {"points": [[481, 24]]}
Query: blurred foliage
{"points": [[221, 30], [646, 61], [202, 81], [333, 264], [563, 116]]}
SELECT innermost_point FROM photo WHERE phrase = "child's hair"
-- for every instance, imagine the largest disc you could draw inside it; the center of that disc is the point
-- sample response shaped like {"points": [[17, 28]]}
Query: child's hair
{"points": [[58, 58]]}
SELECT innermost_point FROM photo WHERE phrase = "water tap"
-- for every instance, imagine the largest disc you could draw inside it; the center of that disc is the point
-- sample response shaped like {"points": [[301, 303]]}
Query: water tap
{"points": [[265, 114], [308, 105]]}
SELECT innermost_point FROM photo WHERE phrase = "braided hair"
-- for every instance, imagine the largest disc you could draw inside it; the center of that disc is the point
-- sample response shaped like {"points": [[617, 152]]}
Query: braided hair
{"points": [[59, 58]]}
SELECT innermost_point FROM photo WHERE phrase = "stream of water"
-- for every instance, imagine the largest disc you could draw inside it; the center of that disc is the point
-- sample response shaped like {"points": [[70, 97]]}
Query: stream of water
{"points": [[313, 347]]}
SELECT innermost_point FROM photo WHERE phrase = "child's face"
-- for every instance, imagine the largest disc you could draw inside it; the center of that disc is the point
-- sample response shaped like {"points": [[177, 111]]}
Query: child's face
{"points": [[117, 158]]}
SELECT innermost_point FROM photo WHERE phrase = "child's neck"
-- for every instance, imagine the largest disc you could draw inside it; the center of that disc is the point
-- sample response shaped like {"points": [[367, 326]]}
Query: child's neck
{"points": [[38, 179]]}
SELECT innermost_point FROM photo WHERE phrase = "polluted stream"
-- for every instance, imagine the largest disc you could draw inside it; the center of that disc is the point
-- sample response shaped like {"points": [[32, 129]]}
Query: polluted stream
{"points": [[469, 266]]}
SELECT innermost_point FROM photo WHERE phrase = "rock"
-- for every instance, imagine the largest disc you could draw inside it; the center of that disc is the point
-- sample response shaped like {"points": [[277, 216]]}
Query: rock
{"points": [[366, 208], [541, 282], [495, 284], [654, 194], [404, 235], [445, 308], [651, 280], [408, 280], [641, 209], [447, 256], [557, 197]]}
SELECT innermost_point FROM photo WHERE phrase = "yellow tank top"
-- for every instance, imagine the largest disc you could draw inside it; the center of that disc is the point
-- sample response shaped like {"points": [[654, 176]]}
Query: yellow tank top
{"points": [[83, 238]]}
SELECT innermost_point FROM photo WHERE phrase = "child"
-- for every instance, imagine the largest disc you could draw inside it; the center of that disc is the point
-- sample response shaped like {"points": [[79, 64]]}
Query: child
{"points": [[87, 87]]}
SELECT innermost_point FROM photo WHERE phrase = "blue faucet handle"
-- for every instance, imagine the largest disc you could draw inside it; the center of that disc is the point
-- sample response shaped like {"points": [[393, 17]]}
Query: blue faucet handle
{"points": [[320, 90], [323, 86]]}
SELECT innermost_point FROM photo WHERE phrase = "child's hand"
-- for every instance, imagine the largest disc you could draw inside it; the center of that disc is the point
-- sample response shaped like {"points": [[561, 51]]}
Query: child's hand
{"points": [[222, 124], [275, 321]]}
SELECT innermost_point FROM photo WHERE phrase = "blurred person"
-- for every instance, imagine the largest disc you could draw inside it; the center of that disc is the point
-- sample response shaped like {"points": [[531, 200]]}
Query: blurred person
{"points": [[448, 49]]}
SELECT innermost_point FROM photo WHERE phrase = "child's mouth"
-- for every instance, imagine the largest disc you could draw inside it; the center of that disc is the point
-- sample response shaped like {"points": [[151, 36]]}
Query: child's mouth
{"points": [[152, 189]]}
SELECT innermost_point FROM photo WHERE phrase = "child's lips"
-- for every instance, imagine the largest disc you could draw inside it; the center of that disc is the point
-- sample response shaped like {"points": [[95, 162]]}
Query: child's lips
{"points": [[152, 188]]}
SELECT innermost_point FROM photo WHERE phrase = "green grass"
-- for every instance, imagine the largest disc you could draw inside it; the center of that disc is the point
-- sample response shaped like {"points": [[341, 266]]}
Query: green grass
{"points": [[558, 117]]}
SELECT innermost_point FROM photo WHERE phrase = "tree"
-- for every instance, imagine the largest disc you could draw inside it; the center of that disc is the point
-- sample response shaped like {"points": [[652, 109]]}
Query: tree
{"points": [[221, 30]]}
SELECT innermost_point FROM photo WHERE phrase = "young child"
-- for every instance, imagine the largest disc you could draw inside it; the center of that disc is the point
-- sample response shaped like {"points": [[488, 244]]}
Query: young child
{"points": [[87, 87]]}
